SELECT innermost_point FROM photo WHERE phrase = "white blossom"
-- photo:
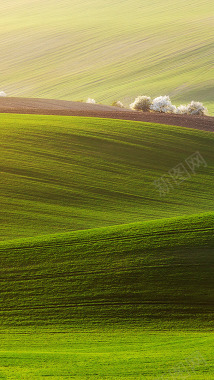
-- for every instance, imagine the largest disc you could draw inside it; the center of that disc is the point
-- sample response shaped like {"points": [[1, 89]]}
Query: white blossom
{"points": [[163, 104], [118, 104], [92, 101], [182, 109], [141, 103], [196, 108], [2, 93], [173, 109]]}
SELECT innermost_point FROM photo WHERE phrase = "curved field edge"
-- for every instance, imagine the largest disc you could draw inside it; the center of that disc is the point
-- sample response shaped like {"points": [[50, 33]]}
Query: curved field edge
{"points": [[41, 106], [69, 173], [158, 271], [60, 50]]}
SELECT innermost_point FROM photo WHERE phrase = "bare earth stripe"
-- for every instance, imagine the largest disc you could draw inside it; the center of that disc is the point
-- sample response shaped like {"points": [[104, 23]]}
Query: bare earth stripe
{"points": [[68, 108]]}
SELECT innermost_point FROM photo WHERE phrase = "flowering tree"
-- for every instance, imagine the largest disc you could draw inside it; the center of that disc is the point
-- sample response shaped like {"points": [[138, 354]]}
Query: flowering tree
{"points": [[141, 103], [196, 108], [92, 101], [163, 104], [182, 109], [118, 104], [159, 104]]}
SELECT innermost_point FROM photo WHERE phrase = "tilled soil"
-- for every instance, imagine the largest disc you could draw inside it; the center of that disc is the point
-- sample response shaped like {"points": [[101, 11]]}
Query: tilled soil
{"points": [[68, 108]]}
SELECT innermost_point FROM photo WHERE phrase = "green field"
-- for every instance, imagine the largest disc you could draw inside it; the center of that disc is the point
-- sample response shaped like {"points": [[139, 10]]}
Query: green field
{"points": [[108, 50], [101, 276], [122, 302], [136, 273], [107, 353], [67, 173]]}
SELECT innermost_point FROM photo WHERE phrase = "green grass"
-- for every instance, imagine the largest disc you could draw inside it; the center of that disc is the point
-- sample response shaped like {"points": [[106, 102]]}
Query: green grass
{"points": [[122, 302], [75, 50], [67, 173], [128, 293], [111, 353], [122, 274]]}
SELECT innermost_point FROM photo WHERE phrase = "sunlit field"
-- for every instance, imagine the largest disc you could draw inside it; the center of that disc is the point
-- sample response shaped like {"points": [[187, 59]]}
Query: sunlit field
{"points": [[102, 275], [106, 225], [108, 353], [108, 50], [68, 173]]}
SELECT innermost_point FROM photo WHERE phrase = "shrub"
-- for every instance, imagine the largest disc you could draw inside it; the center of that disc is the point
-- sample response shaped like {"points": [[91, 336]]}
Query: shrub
{"points": [[141, 103], [182, 109], [92, 101], [196, 108], [163, 104], [118, 104], [2, 93]]}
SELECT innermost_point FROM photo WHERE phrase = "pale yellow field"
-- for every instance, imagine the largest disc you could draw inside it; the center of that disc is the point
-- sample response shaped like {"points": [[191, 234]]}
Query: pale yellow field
{"points": [[108, 50]]}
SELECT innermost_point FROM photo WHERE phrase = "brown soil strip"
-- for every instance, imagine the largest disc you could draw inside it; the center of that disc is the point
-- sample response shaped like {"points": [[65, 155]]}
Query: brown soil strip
{"points": [[68, 108]]}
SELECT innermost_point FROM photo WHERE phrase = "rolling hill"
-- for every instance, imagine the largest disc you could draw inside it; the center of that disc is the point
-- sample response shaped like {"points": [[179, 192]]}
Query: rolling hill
{"points": [[128, 294], [158, 270], [106, 214], [67, 173], [108, 50], [125, 302]]}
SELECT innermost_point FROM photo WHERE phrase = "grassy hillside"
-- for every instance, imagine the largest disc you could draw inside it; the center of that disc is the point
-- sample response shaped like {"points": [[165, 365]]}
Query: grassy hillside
{"points": [[111, 353], [159, 270], [68, 173], [123, 296], [106, 354], [108, 50]]}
